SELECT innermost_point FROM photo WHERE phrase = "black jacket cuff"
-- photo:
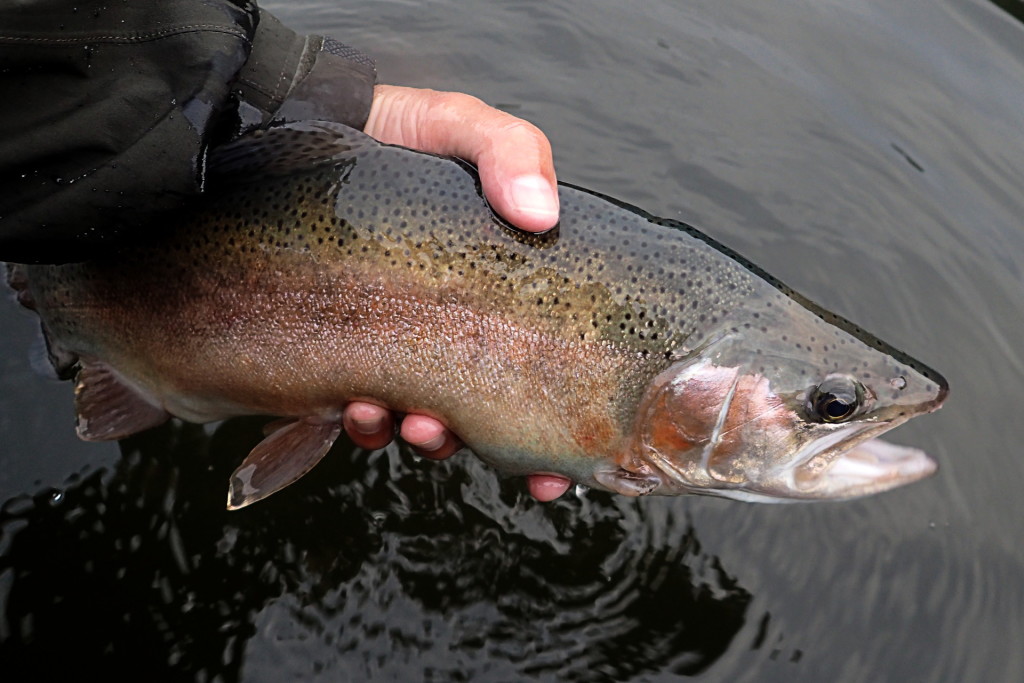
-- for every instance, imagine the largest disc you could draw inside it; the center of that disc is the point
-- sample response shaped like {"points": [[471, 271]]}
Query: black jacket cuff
{"points": [[289, 77]]}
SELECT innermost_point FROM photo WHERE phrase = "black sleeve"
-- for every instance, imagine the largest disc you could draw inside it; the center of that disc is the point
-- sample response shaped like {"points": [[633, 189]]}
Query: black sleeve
{"points": [[109, 109]]}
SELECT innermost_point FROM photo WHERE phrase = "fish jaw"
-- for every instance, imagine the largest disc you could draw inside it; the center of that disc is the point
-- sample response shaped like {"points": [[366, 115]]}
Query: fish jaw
{"points": [[870, 466], [852, 465], [727, 431]]}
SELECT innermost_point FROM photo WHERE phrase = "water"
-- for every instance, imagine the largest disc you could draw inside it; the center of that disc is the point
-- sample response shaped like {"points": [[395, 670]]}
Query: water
{"points": [[869, 154]]}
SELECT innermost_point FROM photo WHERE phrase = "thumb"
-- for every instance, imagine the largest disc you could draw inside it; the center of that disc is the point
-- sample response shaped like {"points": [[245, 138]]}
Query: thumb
{"points": [[514, 157]]}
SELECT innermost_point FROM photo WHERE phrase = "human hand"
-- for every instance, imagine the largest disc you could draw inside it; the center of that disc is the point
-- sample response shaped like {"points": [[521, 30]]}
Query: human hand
{"points": [[513, 156], [518, 178]]}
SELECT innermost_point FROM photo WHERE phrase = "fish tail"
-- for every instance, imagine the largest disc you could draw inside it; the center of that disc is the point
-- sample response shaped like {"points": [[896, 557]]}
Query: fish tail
{"points": [[62, 362], [17, 280]]}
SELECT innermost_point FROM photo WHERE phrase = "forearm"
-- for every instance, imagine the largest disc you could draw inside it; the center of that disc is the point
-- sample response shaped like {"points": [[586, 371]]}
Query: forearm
{"points": [[108, 113]]}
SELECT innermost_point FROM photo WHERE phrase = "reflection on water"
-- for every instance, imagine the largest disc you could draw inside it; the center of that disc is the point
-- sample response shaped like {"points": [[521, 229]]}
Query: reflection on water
{"points": [[142, 568]]}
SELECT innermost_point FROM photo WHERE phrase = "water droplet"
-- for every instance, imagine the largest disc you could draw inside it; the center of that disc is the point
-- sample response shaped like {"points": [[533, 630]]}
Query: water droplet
{"points": [[56, 498], [581, 490]]}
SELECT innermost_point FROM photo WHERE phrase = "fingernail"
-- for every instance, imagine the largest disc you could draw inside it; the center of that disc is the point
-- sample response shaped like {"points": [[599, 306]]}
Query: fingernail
{"points": [[371, 426], [532, 194], [433, 444]]}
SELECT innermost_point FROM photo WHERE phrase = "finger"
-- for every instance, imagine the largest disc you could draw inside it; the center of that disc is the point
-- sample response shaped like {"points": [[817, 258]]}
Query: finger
{"points": [[514, 157], [428, 437], [547, 487], [369, 426]]}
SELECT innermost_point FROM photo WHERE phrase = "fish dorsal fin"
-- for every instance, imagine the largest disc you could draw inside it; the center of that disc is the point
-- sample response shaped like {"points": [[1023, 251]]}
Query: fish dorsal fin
{"points": [[279, 460], [108, 409], [284, 150]]}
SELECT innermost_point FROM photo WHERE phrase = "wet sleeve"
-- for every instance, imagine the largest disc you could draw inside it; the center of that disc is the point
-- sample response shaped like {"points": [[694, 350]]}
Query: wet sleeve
{"points": [[290, 77], [110, 109]]}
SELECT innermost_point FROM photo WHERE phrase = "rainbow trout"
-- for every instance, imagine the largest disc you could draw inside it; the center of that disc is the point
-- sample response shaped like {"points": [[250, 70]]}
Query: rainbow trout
{"points": [[628, 353]]}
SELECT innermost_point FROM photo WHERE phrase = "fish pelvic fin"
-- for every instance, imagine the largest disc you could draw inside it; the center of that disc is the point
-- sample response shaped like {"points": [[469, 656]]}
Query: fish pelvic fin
{"points": [[628, 483], [108, 409], [279, 460]]}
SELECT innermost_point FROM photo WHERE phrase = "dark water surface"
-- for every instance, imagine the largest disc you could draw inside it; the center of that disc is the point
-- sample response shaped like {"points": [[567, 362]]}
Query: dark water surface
{"points": [[871, 154]]}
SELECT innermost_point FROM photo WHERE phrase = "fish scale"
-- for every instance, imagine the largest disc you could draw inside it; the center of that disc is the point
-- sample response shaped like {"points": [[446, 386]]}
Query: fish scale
{"points": [[324, 267]]}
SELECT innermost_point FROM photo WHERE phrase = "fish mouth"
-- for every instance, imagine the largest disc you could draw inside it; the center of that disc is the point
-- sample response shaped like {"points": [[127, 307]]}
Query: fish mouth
{"points": [[852, 462]]}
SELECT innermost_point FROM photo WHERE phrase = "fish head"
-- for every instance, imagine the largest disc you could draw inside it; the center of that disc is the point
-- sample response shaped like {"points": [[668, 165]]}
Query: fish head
{"points": [[754, 416]]}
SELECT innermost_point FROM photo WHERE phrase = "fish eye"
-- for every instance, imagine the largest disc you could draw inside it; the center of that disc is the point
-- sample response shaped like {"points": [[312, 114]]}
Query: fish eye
{"points": [[836, 399]]}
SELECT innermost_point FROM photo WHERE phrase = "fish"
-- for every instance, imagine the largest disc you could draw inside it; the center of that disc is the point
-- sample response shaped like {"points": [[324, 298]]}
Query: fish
{"points": [[628, 353]]}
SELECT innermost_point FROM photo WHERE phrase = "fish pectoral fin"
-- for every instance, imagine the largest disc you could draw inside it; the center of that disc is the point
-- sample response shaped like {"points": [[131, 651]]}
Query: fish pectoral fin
{"points": [[279, 460], [107, 409], [628, 483]]}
